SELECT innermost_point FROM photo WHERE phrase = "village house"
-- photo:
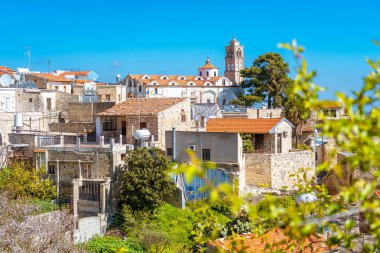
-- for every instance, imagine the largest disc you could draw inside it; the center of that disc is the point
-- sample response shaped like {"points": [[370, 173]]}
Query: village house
{"points": [[206, 87], [78, 75], [273, 161], [208, 146], [50, 82], [155, 114], [29, 108], [90, 91]]}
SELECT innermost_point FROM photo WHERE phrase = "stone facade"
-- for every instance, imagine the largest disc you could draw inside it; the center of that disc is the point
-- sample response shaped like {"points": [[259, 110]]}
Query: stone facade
{"points": [[234, 61], [264, 113], [275, 170], [111, 93], [157, 124]]}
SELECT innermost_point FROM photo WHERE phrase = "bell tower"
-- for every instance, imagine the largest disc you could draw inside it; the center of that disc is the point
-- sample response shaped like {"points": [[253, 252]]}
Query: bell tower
{"points": [[234, 61]]}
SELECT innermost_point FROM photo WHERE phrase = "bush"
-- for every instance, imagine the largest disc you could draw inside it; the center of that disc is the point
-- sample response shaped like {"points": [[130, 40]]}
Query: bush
{"points": [[111, 244], [303, 146], [22, 181]]}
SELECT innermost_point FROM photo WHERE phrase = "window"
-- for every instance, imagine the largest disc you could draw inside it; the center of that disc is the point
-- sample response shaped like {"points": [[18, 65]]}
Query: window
{"points": [[56, 87], [156, 91], [108, 98], [100, 98], [203, 121], [208, 101], [64, 88], [200, 73], [259, 141], [206, 154], [119, 97], [7, 103], [109, 123], [232, 66], [279, 143], [140, 88], [86, 170], [228, 67], [214, 73], [169, 151], [182, 78], [183, 116], [143, 125], [122, 157], [224, 82], [48, 102], [51, 169], [207, 74], [193, 147], [30, 100], [146, 77]]}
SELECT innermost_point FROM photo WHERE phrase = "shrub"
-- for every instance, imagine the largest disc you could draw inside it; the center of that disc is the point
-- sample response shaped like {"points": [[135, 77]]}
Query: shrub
{"points": [[111, 244]]}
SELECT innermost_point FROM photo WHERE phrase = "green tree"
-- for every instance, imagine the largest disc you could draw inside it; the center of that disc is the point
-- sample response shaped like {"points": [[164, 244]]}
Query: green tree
{"points": [[295, 110], [22, 181], [267, 78], [146, 182]]}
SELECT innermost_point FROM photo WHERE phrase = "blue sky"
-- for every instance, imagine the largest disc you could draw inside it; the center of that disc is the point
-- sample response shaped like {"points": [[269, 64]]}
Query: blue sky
{"points": [[175, 37]]}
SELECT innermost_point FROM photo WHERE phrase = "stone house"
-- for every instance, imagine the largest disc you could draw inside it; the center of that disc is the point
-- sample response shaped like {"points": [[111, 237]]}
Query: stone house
{"points": [[79, 122], [273, 160], [208, 146], [90, 91], [155, 114], [268, 135], [35, 108]]}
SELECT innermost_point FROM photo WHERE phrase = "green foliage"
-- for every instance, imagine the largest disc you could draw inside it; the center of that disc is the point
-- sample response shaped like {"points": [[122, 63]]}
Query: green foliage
{"points": [[23, 181], [146, 182], [303, 146], [167, 229], [295, 110], [266, 78], [111, 244], [247, 142], [45, 206]]}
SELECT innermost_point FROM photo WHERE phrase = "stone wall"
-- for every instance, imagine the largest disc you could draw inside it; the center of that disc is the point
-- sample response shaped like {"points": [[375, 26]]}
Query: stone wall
{"points": [[75, 127], [172, 118], [38, 121], [115, 93], [264, 113], [274, 170], [29, 101], [63, 100], [76, 111]]}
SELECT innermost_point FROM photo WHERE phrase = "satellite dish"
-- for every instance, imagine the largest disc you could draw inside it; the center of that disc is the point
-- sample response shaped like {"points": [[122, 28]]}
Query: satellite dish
{"points": [[142, 134]]}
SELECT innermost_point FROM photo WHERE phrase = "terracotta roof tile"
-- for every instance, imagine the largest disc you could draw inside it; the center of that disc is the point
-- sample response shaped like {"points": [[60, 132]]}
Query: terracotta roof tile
{"points": [[75, 73], [242, 125], [208, 66], [51, 78], [142, 106], [176, 79], [273, 241]]}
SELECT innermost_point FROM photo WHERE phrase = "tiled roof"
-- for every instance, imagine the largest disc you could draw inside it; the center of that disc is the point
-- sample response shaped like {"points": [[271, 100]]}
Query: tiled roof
{"points": [[273, 241], [242, 125], [52, 78], [187, 80], [208, 65], [75, 73], [82, 81], [141, 106], [6, 70]]}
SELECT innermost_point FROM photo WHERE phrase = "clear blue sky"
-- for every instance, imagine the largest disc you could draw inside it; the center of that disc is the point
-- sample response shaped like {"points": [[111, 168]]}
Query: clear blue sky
{"points": [[175, 37]]}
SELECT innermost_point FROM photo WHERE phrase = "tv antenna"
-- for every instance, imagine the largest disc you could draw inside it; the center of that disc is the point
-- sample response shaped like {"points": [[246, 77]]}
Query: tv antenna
{"points": [[49, 64], [28, 53]]}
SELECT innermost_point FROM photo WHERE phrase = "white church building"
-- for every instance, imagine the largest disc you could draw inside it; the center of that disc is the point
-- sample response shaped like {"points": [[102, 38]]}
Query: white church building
{"points": [[206, 87]]}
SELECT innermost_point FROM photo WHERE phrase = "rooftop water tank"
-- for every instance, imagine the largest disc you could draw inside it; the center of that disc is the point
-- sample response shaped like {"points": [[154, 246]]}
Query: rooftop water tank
{"points": [[142, 134], [17, 120]]}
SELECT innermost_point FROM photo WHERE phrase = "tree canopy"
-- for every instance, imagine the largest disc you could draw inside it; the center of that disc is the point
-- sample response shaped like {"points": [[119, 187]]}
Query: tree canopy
{"points": [[267, 79], [146, 181]]}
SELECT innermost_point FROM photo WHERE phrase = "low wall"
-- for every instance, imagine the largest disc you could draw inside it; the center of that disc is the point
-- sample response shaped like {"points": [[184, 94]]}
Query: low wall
{"points": [[275, 170]]}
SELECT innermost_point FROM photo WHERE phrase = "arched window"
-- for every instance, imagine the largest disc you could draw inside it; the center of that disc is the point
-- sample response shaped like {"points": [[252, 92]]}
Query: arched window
{"points": [[224, 82], [214, 73], [140, 88], [183, 116], [239, 53], [228, 67], [232, 66], [207, 74], [200, 73]]}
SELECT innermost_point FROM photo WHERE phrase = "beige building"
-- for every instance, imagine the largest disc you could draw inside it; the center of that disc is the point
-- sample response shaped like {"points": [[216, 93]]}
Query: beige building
{"points": [[273, 160], [234, 61], [51, 82], [155, 114]]}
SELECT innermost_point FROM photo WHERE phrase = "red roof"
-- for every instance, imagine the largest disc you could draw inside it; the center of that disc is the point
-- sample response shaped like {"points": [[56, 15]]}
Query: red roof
{"points": [[242, 125], [141, 106], [75, 73], [272, 241], [52, 78]]}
